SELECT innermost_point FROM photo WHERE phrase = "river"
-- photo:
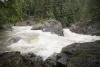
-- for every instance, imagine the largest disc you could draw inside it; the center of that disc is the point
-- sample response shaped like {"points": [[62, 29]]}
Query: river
{"points": [[44, 44]]}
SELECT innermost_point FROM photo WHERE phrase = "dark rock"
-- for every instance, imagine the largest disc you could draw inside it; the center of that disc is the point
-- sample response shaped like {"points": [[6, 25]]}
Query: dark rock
{"points": [[83, 54], [11, 59], [90, 48], [57, 60], [15, 59], [51, 61], [89, 27], [33, 61], [53, 26], [62, 60], [84, 61]]}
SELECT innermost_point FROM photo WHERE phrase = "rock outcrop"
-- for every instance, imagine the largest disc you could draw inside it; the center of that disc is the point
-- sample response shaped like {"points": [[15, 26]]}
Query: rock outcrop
{"points": [[83, 54], [15, 59], [89, 27], [52, 26], [11, 59]]}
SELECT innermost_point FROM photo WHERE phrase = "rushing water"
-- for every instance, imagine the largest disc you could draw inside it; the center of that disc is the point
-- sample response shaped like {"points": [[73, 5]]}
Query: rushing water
{"points": [[44, 44]]}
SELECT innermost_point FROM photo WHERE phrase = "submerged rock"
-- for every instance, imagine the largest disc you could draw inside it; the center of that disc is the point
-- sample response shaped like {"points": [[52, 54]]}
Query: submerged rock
{"points": [[89, 27]]}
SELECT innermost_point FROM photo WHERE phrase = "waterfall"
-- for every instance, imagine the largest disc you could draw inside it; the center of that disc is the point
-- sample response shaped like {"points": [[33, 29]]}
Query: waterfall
{"points": [[44, 44]]}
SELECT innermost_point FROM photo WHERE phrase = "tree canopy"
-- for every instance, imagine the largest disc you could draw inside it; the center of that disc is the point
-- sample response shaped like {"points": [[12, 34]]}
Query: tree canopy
{"points": [[66, 11]]}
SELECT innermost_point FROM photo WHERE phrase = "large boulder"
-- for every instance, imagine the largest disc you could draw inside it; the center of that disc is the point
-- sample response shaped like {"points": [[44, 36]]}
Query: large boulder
{"points": [[89, 48], [15, 59], [52, 26], [89, 27], [84, 61], [62, 60], [31, 60], [51, 61], [83, 54], [57, 60], [11, 59]]}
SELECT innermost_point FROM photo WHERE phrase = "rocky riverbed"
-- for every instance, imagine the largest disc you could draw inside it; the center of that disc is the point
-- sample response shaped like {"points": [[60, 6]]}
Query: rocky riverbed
{"points": [[74, 55]]}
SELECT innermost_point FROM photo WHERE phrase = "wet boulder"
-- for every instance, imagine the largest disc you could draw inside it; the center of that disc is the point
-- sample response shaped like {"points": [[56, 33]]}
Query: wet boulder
{"points": [[89, 27], [51, 61], [57, 60], [53, 26], [32, 60], [88, 48], [11, 59], [62, 60], [84, 61], [15, 59], [83, 54]]}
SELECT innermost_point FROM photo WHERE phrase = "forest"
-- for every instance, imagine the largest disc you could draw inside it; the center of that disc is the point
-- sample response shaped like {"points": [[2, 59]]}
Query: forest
{"points": [[66, 11]]}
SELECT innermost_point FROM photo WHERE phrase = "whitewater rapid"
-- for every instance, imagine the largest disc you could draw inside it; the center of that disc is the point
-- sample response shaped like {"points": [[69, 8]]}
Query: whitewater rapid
{"points": [[44, 44]]}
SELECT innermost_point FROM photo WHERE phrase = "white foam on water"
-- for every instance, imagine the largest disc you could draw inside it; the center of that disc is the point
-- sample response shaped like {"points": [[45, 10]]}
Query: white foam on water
{"points": [[45, 44]]}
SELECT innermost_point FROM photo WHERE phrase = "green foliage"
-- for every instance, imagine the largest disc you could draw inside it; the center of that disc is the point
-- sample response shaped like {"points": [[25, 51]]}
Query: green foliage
{"points": [[11, 11], [66, 11], [43, 9], [93, 9]]}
